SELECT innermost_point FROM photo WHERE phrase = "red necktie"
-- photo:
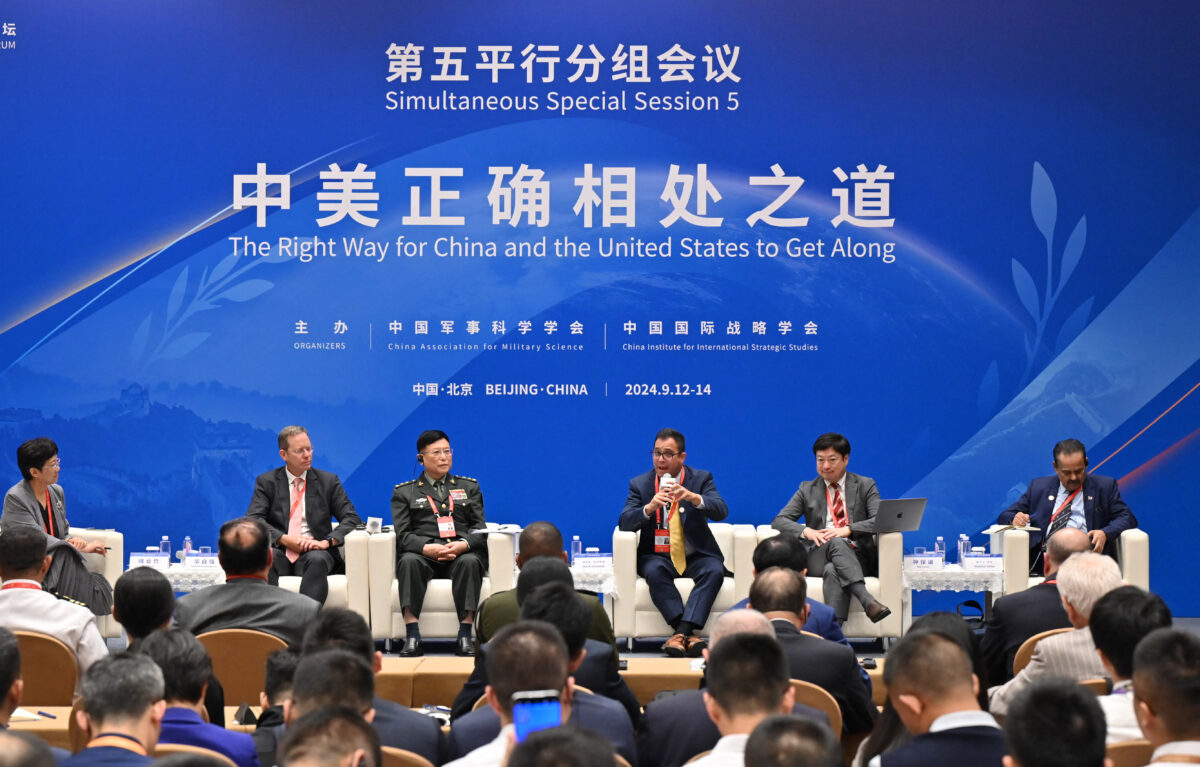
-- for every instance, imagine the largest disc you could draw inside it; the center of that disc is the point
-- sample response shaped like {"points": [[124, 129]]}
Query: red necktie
{"points": [[836, 508]]}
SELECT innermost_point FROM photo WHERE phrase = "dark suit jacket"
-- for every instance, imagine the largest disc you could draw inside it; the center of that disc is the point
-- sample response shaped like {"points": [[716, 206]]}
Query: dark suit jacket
{"points": [[402, 727], [602, 716], [822, 621], [676, 728], [247, 603], [833, 668], [184, 726], [501, 609], [1103, 508], [598, 673], [324, 500], [1015, 618], [107, 756], [862, 504], [695, 521], [976, 746]]}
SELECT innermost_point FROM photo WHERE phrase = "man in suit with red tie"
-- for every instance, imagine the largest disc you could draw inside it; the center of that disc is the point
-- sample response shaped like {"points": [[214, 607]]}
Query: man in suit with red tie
{"points": [[839, 511], [676, 542], [298, 504], [1071, 498]]}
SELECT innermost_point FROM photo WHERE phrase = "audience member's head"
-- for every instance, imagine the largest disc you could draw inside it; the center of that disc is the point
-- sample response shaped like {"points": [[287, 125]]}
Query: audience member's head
{"points": [[953, 627], [927, 675], [783, 550], [340, 628], [11, 685], [1055, 722], [23, 749], [1082, 580], [1120, 619], [143, 601], [523, 656], [333, 736], [244, 547], [33, 454], [277, 687], [185, 665], [780, 590], [559, 605], [539, 539], [784, 740], [747, 681], [541, 570], [332, 678], [123, 693], [1063, 544], [23, 553], [562, 746], [1166, 685], [732, 622]]}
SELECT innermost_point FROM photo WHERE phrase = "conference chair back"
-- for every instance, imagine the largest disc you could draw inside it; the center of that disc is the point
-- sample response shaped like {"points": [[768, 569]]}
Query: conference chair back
{"points": [[1025, 651], [1130, 753], [163, 749], [809, 694], [239, 660], [49, 669], [399, 757]]}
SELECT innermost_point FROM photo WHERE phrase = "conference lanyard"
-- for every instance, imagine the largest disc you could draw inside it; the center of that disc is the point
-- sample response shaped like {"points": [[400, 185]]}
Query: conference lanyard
{"points": [[49, 514], [445, 522], [14, 585], [117, 741], [674, 504], [1065, 504]]}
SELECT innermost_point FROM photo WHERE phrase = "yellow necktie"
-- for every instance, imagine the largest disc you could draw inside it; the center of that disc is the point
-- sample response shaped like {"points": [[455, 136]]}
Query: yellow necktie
{"points": [[678, 551]]}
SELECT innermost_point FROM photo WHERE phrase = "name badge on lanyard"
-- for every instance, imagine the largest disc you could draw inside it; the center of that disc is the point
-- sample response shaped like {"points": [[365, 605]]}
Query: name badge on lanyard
{"points": [[445, 522], [662, 541]]}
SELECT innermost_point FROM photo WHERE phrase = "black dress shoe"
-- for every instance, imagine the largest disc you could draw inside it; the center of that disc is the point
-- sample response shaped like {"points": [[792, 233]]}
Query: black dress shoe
{"points": [[876, 610], [412, 648], [464, 647]]}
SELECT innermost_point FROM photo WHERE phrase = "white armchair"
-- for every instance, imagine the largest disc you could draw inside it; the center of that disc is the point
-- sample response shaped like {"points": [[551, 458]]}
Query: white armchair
{"points": [[349, 590], [888, 588], [1133, 553], [438, 617], [111, 565], [634, 614]]}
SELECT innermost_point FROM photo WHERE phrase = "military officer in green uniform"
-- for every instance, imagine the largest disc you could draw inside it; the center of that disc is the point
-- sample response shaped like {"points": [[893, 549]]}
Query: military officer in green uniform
{"points": [[436, 517]]}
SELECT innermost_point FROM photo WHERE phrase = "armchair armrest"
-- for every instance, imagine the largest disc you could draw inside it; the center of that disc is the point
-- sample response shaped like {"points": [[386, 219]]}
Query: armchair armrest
{"points": [[1016, 560], [381, 559], [502, 561], [625, 575], [355, 550], [1133, 549], [745, 538]]}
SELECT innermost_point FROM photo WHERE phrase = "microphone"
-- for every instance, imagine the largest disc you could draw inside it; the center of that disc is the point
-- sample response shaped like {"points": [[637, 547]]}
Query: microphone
{"points": [[666, 483]]}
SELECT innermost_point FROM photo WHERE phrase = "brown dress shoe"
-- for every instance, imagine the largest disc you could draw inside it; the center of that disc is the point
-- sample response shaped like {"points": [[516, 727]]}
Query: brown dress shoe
{"points": [[676, 646], [696, 647], [876, 610]]}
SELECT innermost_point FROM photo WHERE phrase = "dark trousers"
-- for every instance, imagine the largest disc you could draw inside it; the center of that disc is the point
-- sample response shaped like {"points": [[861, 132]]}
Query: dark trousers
{"points": [[313, 567], [837, 563], [707, 571], [414, 571]]}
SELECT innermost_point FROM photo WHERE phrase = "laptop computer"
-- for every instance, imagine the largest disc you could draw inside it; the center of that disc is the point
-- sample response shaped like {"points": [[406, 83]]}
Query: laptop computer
{"points": [[900, 515]]}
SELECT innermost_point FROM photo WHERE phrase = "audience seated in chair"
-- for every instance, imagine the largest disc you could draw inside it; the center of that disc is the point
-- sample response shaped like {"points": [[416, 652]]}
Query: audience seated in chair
{"points": [[537, 539], [397, 726], [779, 594], [557, 603], [1082, 580], [25, 607], [1016, 617], [676, 727], [333, 736], [186, 670], [277, 690], [246, 600], [123, 709], [747, 682], [1055, 723], [935, 693], [1121, 619], [526, 655], [784, 740], [23, 749], [597, 671], [1166, 694], [563, 746]]}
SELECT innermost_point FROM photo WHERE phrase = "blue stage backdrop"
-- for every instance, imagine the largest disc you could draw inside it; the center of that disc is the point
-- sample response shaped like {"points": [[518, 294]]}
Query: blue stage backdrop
{"points": [[956, 234]]}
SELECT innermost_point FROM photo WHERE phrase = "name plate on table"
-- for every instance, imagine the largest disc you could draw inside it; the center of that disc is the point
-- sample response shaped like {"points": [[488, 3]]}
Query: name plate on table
{"points": [[202, 561], [924, 562], [593, 562], [983, 563], [155, 559]]}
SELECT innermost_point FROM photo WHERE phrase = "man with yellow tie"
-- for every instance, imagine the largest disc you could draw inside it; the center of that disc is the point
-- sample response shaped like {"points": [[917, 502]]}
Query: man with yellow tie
{"points": [[671, 506]]}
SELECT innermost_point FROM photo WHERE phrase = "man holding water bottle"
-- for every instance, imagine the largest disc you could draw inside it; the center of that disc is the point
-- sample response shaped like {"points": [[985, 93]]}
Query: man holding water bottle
{"points": [[671, 506]]}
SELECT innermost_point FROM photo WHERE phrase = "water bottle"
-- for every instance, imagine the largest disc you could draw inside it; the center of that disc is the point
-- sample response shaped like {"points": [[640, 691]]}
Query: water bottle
{"points": [[939, 547], [165, 545], [187, 546], [576, 548], [964, 545]]}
